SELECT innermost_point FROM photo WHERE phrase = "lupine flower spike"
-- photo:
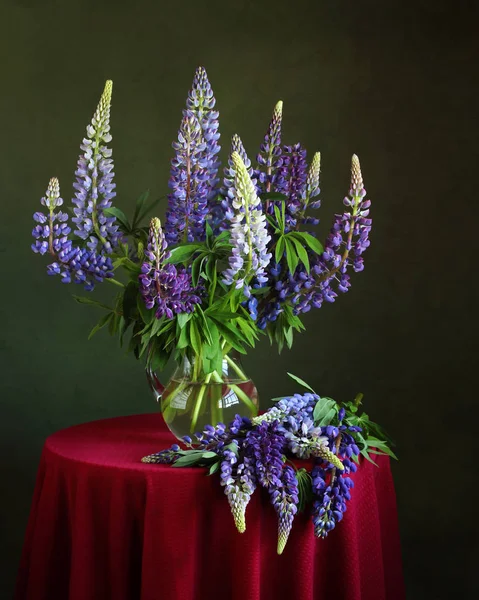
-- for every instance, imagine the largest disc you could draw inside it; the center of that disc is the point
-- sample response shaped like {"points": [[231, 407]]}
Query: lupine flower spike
{"points": [[269, 157], [94, 182], [166, 288], [249, 236]]}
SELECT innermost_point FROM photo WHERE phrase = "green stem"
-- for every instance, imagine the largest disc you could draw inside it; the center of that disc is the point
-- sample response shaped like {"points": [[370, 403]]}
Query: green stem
{"points": [[235, 368], [115, 282], [199, 402], [239, 393]]}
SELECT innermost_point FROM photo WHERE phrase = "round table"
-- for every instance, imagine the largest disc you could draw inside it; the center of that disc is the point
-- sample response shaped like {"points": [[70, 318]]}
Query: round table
{"points": [[105, 526]]}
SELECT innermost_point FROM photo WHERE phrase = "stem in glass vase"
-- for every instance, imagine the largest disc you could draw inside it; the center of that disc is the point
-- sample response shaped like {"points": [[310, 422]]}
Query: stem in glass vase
{"points": [[198, 403]]}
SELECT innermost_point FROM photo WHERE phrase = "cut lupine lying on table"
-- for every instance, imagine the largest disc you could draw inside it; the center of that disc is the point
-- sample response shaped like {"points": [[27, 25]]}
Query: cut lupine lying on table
{"points": [[261, 453]]}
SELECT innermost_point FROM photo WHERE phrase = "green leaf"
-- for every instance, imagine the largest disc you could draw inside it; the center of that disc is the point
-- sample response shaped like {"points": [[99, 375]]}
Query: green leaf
{"points": [[101, 323], [188, 460], [195, 338], [322, 409], [156, 326], [139, 206], [113, 211], [291, 256], [196, 268], [328, 417], [183, 340], [365, 453], [373, 442], [209, 455], [209, 233], [279, 219], [85, 300], [129, 303], [312, 242], [212, 277], [301, 382], [288, 336], [182, 253], [183, 319], [273, 196], [214, 467], [279, 250], [231, 338], [302, 254]]}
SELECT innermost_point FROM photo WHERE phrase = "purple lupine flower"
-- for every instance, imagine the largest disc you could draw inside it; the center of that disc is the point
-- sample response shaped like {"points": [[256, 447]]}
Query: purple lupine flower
{"points": [[164, 457], [285, 500], [201, 102], [348, 239], [291, 180], [239, 482], [166, 288], [189, 176], [264, 446], [346, 242], [249, 236], [329, 503], [269, 157], [72, 263], [94, 182]]}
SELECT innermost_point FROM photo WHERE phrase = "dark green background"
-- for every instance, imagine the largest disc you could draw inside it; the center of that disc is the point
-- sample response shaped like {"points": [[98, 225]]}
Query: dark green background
{"points": [[395, 82]]}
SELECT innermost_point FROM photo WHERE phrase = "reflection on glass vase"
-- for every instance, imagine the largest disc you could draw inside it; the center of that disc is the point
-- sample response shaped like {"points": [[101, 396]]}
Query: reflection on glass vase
{"points": [[192, 399]]}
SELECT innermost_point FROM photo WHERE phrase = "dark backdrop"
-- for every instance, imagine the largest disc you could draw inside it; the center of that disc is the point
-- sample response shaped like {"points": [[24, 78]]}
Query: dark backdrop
{"points": [[395, 82]]}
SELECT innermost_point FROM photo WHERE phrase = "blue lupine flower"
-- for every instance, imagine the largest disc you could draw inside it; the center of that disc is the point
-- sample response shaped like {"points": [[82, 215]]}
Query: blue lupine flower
{"points": [[329, 503]]}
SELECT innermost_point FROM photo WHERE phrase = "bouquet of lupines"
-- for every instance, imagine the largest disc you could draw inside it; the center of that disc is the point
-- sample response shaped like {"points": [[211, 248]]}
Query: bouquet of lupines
{"points": [[236, 257], [264, 452]]}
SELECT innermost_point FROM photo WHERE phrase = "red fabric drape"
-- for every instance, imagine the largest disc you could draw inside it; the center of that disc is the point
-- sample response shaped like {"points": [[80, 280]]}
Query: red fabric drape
{"points": [[105, 526]]}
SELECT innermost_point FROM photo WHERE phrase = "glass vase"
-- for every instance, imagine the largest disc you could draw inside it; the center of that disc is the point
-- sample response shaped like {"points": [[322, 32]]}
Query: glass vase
{"points": [[191, 400]]}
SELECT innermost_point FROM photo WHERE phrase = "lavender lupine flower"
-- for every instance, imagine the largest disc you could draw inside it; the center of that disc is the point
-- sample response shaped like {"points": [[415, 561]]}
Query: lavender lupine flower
{"points": [[166, 288], [329, 505], [264, 446], [189, 176], [51, 233], [201, 101], [239, 482], [285, 501], [290, 411], [72, 262], [94, 182], [269, 157], [249, 236], [291, 180]]}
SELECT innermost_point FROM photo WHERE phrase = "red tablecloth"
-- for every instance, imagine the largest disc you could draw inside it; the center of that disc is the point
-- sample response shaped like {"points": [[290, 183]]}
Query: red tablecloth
{"points": [[105, 526]]}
